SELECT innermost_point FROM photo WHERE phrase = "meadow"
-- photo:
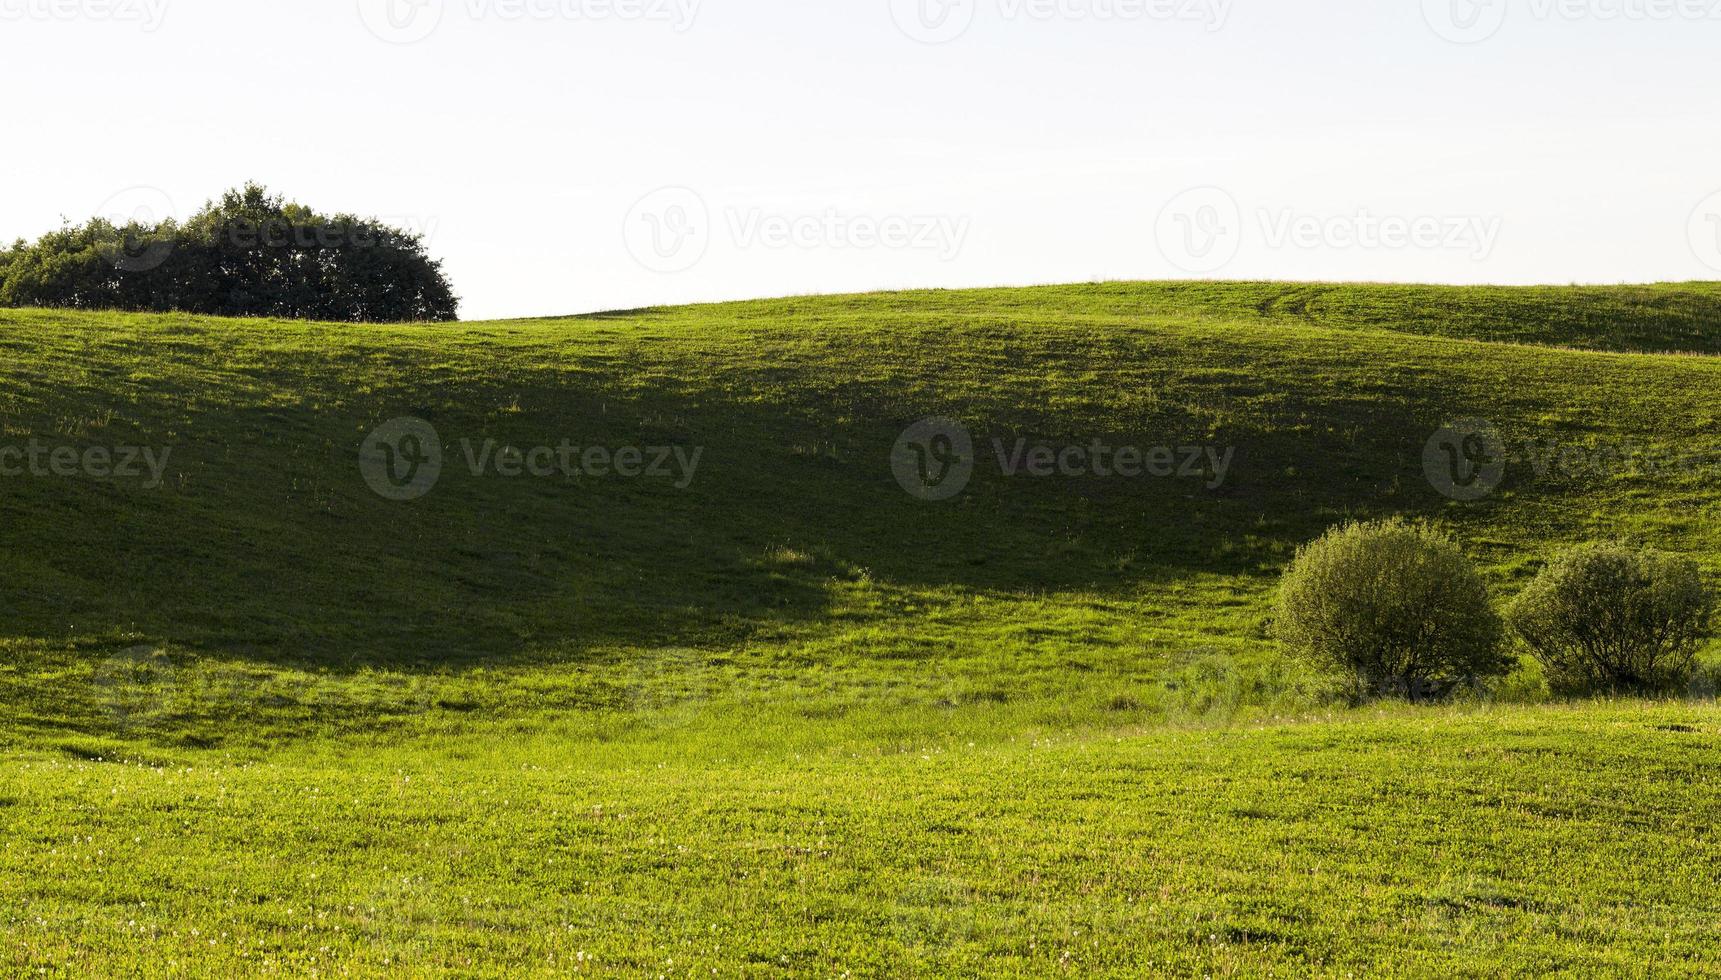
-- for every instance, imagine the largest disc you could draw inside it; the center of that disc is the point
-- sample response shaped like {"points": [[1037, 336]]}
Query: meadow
{"points": [[774, 715]]}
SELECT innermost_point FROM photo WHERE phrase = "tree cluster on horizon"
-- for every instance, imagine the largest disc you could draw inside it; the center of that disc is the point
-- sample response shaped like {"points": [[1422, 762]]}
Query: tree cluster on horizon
{"points": [[249, 253]]}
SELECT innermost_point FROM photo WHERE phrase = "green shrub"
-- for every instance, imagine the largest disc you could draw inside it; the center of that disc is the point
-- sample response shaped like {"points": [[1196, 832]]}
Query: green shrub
{"points": [[1395, 606], [1615, 619], [248, 254]]}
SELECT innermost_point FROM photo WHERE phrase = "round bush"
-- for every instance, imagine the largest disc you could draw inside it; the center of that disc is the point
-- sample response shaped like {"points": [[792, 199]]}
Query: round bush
{"points": [[1608, 618], [1395, 606]]}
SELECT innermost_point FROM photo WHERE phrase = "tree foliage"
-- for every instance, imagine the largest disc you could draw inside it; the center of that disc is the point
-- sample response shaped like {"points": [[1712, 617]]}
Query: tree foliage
{"points": [[1614, 619], [247, 254], [1397, 607]]}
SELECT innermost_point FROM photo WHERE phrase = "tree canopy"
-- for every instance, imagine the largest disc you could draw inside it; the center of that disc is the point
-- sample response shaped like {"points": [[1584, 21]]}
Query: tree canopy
{"points": [[249, 253]]}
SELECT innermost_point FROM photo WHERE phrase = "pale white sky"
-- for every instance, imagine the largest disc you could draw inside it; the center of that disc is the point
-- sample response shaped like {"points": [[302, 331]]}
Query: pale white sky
{"points": [[574, 155]]}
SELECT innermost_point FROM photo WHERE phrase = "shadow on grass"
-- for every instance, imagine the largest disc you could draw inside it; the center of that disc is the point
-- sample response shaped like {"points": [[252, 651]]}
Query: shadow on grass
{"points": [[266, 543]]}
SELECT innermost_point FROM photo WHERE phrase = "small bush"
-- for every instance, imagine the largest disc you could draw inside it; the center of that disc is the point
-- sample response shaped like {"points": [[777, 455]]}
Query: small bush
{"points": [[1607, 618], [1395, 606]]}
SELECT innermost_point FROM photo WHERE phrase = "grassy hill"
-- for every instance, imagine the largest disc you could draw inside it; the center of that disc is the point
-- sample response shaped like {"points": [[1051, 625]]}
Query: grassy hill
{"points": [[793, 700]]}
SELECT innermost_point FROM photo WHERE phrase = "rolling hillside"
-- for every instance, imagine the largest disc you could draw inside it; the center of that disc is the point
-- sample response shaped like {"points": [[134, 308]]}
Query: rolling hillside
{"points": [[1042, 681], [265, 546]]}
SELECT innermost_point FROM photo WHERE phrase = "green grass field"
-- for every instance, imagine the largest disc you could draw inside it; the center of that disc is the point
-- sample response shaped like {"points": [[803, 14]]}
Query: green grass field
{"points": [[786, 718]]}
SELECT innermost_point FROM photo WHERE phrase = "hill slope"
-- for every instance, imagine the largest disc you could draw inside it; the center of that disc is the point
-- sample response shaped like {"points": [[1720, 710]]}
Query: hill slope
{"points": [[791, 540], [1660, 318], [771, 713]]}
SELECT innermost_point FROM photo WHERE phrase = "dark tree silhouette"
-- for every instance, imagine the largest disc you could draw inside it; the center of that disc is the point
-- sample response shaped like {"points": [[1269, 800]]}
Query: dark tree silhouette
{"points": [[248, 254]]}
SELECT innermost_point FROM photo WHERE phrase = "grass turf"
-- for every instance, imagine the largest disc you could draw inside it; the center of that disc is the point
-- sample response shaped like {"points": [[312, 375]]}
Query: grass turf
{"points": [[782, 641], [1575, 840]]}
